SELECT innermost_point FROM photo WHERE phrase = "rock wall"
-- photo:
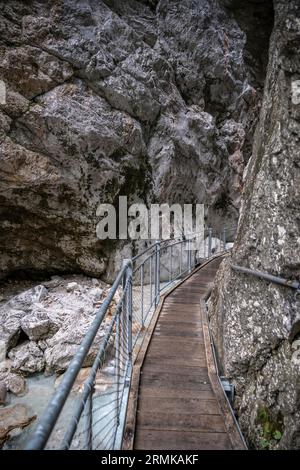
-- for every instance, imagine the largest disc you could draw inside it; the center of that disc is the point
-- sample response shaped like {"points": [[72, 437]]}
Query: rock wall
{"points": [[156, 100], [256, 324]]}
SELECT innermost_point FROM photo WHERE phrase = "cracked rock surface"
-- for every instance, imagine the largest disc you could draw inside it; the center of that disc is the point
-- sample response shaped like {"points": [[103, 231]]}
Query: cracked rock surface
{"points": [[156, 100], [256, 324]]}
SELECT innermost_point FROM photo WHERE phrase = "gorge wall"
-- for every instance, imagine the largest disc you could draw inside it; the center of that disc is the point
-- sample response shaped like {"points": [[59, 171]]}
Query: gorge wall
{"points": [[255, 324], [156, 100]]}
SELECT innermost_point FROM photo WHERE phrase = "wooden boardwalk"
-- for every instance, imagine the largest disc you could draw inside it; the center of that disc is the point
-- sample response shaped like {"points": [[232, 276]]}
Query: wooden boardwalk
{"points": [[176, 400]]}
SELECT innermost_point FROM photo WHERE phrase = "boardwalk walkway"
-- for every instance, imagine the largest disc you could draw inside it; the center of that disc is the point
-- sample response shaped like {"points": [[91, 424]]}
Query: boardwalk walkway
{"points": [[176, 400]]}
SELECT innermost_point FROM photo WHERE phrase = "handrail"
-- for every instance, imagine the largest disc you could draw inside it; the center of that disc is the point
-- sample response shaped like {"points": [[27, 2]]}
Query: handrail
{"points": [[268, 277], [59, 398], [161, 242], [142, 281], [206, 231]]}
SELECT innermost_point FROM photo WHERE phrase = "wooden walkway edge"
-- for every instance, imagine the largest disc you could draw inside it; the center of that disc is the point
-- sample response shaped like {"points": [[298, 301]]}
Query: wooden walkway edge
{"points": [[176, 400]]}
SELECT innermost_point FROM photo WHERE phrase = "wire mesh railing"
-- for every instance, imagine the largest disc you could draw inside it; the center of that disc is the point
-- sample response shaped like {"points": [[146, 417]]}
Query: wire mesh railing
{"points": [[96, 397]]}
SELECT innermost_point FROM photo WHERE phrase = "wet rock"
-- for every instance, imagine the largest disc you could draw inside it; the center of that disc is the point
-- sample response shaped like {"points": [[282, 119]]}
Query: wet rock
{"points": [[13, 417], [27, 358], [16, 384]]}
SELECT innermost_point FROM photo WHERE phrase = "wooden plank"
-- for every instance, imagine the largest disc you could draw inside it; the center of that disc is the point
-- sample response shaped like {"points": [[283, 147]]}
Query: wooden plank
{"points": [[180, 311], [177, 405], [131, 412], [173, 332], [180, 392], [130, 420], [175, 381], [180, 421], [173, 361], [148, 439], [177, 376], [175, 316], [183, 346], [193, 323], [180, 314], [162, 368], [175, 301]]}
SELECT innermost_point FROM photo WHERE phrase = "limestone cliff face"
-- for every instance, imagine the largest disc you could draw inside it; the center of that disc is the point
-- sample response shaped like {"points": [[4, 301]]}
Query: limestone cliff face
{"points": [[256, 325], [156, 100]]}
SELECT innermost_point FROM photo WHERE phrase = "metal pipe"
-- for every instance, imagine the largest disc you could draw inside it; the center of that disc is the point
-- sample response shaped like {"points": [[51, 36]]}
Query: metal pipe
{"points": [[118, 346], [189, 255], [52, 412], [209, 242], [224, 237], [89, 422], [180, 260], [150, 281], [171, 269], [268, 277], [128, 277], [157, 272], [142, 294]]}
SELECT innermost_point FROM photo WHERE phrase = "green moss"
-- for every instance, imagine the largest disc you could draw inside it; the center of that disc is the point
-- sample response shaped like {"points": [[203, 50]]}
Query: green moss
{"points": [[272, 427]]}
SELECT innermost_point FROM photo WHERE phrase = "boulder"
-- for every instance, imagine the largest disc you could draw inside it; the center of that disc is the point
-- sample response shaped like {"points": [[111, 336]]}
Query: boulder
{"points": [[62, 347], [13, 417], [10, 328], [38, 324], [27, 358], [71, 286], [14, 383]]}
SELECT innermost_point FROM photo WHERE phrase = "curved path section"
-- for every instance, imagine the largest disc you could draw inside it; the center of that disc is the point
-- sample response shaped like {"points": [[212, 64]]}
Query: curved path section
{"points": [[176, 399]]}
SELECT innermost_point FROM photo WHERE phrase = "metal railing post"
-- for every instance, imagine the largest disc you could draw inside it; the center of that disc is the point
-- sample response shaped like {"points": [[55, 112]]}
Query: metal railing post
{"points": [[127, 284], [142, 294], [130, 319], [118, 345], [171, 268], [180, 259], [157, 272], [52, 412], [88, 437], [189, 256], [150, 281], [224, 238], [209, 241]]}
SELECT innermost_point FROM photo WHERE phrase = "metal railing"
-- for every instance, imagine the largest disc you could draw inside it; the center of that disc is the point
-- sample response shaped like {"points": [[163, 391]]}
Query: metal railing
{"points": [[91, 414], [268, 277]]}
